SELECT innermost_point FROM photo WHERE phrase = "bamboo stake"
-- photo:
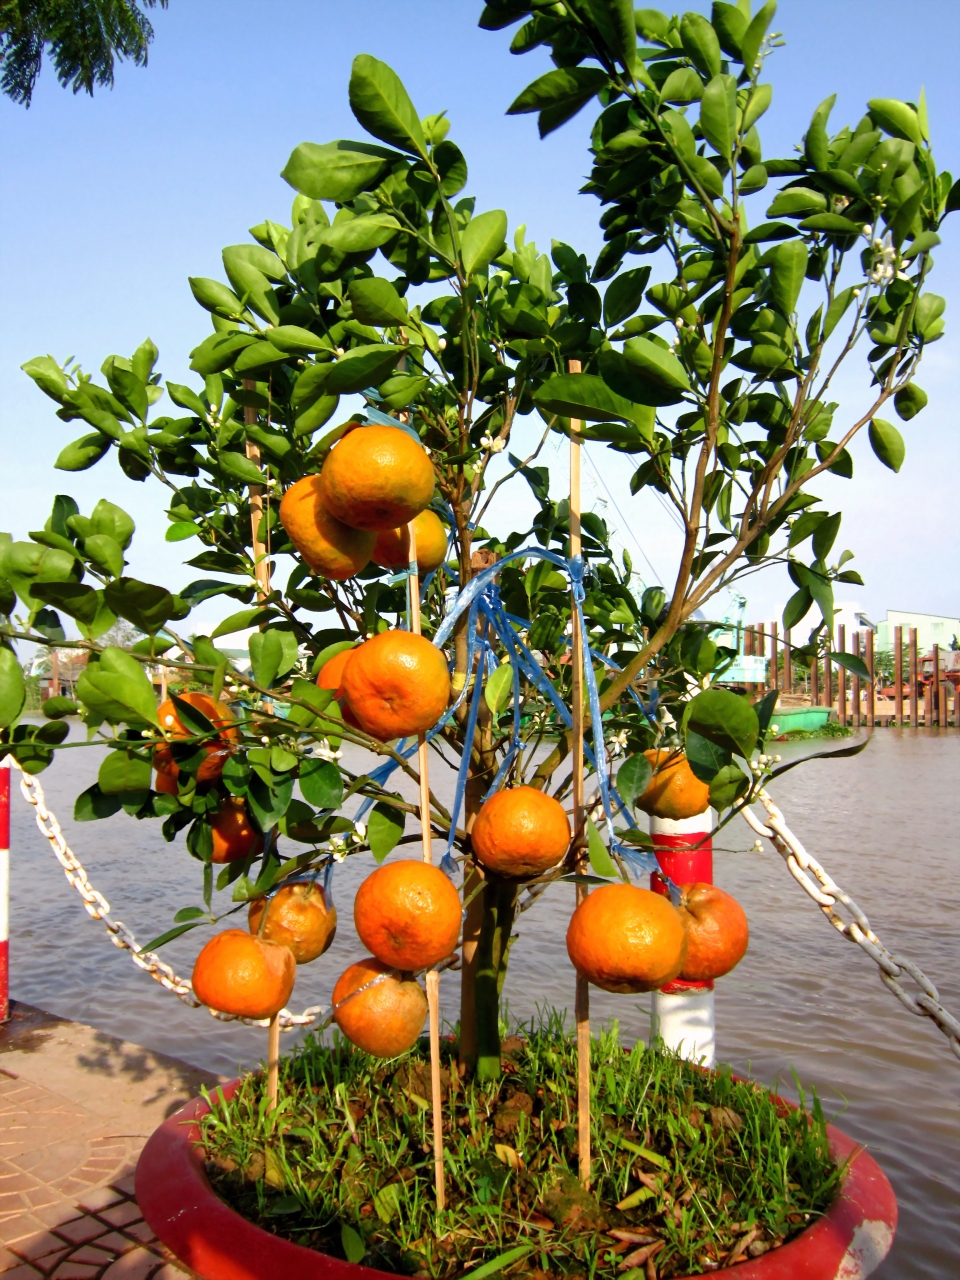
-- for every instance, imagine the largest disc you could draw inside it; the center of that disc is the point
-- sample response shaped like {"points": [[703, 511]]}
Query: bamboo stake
{"points": [[582, 1000], [262, 570], [433, 976]]}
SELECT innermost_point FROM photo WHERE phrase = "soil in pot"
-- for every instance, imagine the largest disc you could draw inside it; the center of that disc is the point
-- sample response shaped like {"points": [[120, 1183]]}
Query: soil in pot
{"points": [[692, 1170]]}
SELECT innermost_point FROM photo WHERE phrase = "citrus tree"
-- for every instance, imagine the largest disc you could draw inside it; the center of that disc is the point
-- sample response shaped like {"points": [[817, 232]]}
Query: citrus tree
{"points": [[709, 361]]}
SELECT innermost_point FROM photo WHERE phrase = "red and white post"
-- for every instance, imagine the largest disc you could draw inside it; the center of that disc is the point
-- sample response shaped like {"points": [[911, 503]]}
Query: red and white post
{"points": [[682, 1013], [4, 889]]}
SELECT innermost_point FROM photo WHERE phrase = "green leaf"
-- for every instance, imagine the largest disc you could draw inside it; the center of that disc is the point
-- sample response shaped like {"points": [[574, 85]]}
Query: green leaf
{"points": [[815, 143], [924, 242], [632, 779], [145, 605], [266, 656], [797, 608], [797, 202], [123, 771], [482, 240], [218, 352], [499, 687], [382, 105], [215, 297], [384, 829], [353, 1244], [362, 367], [787, 269], [180, 530], [649, 373], [909, 400], [825, 535], [896, 118], [13, 688], [83, 453], [616, 23], [501, 1261], [186, 399], [321, 784], [832, 224], [887, 443], [582, 395], [723, 717], [251, 283], [116, 689], [705, 758], [730, 23], [376, 301], [56, 708], [295, 340], [759, 102], [561, 86], [240, 621], [682, 86], [728, 785], [718, 113], [360, 235], [269, 804], [92, 805], [836, 311], [850, 662], [237, 466], [337, 171], [700, 44], [600, 861], [624, 295], [753, 36], [105, 553], [48, 376]]}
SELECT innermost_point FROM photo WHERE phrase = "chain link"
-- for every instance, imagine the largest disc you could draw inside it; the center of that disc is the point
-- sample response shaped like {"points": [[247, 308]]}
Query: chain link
{"points": [[99, 908], [824, 890]]}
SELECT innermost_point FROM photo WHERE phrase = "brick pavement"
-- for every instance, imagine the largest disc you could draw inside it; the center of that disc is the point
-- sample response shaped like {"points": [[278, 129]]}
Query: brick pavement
{"points": [[76, 1107]]}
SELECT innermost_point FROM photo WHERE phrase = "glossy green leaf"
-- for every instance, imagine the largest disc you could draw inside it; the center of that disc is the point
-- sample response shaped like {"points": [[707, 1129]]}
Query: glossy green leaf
{"points": [[116, 689], [718, 113], [797, 202], [360, 235], [122, 771], [145, 605], [382, 105], [499, 687], [727, 786], [831, 224], [562, 85], [759, 102], [218, 352], [753, 36], [216, 297], [48, 376], [57, 707], [105, 553], [787, 270], [624, 295], [376, 301], [896, 118], [321, 784], [83, 453], [337, 170], [682, 86], [797, 608], [582, 395], [384, 828], [92, 804], [632, 778], [704, 757], [850, 662], [700, 44], [362, 367], [482, 240], [724, 718], [294, 340], [600, 861], [13, 689], [909, 401], [887, 443], [237, 466]]}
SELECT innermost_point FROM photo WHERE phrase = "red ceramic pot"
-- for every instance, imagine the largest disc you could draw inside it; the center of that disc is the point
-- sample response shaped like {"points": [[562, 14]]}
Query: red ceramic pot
{"points": [[847, 1243]]}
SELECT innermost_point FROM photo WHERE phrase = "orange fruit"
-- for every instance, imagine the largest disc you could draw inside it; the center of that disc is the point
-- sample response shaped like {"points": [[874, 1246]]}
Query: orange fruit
{"points": [[297, 917], [396, 684], [376, 478], [166, 783], [674, 791], [217, 749], [328, 546], [246, 976], [331, 677], [408, 914], [520, 832], [623, 938], [387, 1016], [717, 932], [234, 835], [390, 549]]}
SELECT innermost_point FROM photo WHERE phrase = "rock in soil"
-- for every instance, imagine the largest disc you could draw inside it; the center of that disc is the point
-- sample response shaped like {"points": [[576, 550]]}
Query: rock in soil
{"points": [[566, 1204]]}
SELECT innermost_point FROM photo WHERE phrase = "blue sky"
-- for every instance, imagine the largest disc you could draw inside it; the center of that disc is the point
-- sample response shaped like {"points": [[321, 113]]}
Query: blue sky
{"points": [[107, 205]]}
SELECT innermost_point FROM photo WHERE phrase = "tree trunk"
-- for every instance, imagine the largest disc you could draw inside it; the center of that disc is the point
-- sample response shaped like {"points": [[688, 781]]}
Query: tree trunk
{"points": [[493, 948]]}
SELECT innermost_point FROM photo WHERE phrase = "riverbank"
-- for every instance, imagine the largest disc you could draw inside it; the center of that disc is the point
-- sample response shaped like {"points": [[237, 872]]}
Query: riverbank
{"points": [[77, 1106]]}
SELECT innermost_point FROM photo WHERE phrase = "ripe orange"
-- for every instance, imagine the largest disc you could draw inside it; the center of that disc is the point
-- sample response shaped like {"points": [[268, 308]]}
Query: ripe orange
{"points": [[328, 546], [217, 749], [627, 939], [331, 677], [520, 832], [390, 550], [387, 1016], [246, 976], [396, 684], [234, 836], [376, 478], [717, 932], [297, 917], [674, 791], [408, 914]]}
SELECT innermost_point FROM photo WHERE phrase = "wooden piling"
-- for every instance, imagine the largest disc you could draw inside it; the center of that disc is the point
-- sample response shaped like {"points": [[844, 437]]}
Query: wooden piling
{"points": [[936, 700], [871, 686], [842, 676], [855, 682], [898, 674], [787, 663], [815, 680], [914, 675], [774, 656], [828, 672]]}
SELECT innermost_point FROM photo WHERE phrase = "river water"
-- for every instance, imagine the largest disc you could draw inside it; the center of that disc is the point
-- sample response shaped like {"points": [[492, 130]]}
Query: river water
{"points": [[884, 823]]}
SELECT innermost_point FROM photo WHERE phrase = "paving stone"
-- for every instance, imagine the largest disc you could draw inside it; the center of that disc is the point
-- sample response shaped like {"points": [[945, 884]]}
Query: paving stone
{"points": [[19, 1227], [98, 1199], [140, 1231], [119, 1215], [23, 1272], [115, 1241], [124, 1184], [81, 1230], [92, 1254], [137, 1265], [71, 1270], [37, 1245], [170, 1272]]}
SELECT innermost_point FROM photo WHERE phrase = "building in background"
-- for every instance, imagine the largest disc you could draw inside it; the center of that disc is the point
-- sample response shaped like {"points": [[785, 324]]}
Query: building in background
{"points": [[931, 629]]}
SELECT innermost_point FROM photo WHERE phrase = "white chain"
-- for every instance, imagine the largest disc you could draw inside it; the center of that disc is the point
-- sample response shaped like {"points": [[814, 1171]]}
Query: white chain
{"points": [[827, 893], [98, 907]]}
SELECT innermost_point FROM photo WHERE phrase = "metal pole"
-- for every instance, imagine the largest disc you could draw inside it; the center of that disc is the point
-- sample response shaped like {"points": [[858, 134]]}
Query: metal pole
{"points": [[682, 1013], [857, 719], [914, 669], [582, 995], [871, 687], [4, 889], [898, 674], [842, 676]]}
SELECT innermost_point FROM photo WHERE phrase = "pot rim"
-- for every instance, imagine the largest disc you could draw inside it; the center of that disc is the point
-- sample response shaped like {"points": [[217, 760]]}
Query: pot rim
{"points": [[175, 1196]]}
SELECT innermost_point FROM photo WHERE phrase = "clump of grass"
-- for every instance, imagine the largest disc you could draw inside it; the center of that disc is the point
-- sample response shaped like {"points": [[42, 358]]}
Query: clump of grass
{"points": [[692, 1169], [832, 729]]}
